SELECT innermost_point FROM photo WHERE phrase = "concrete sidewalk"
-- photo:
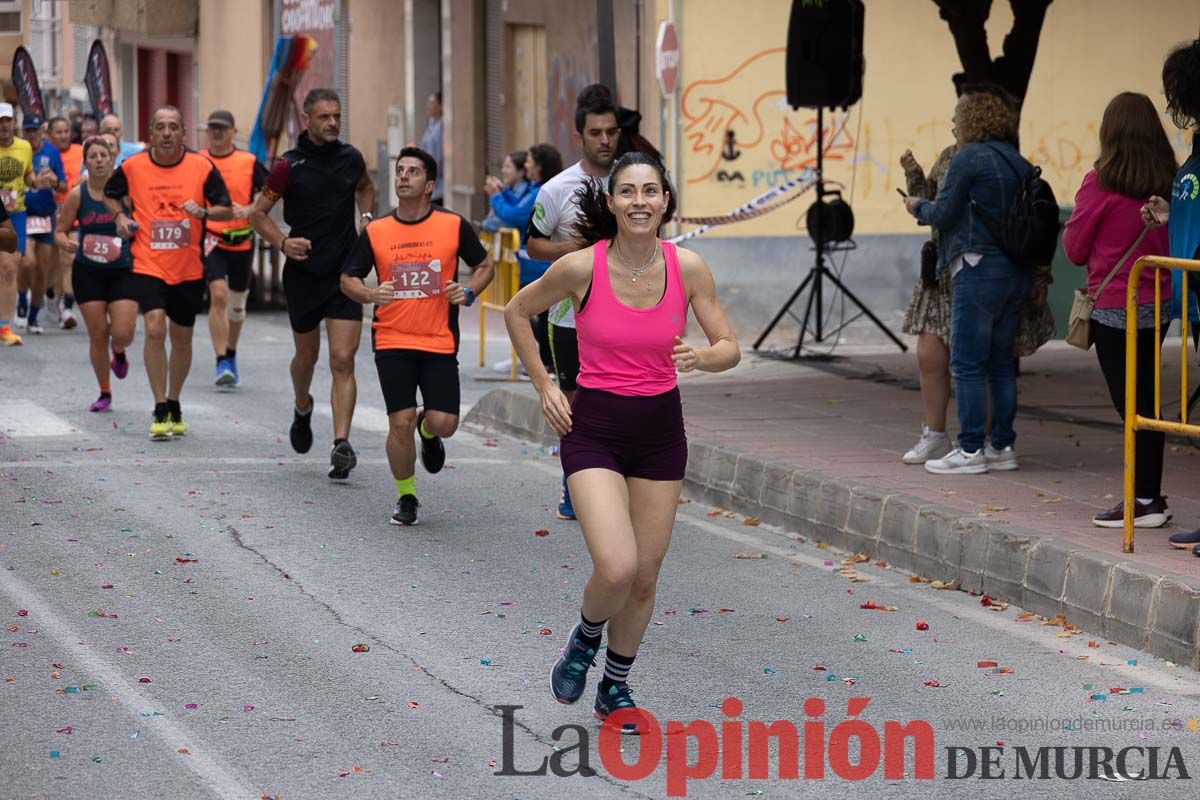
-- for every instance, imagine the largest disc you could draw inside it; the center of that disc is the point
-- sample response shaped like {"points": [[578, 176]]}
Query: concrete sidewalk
{"points": [[815, 447]]}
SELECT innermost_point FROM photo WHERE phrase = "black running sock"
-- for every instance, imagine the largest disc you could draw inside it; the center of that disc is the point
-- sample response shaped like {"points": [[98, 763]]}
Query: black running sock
{"points": [[616, 669], [106, 394], [68, 300], [174, 408], [590, 632], [119, 355], [161, 410], [336, 442], [230, 352]]}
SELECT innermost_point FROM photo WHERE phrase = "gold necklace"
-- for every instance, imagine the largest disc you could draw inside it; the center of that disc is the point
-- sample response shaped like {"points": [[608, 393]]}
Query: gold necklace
{"points": [[637, 271]]}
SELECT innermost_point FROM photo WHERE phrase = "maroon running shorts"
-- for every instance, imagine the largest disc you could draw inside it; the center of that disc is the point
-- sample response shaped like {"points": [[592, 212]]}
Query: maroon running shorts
{"points": [[637, 437]]}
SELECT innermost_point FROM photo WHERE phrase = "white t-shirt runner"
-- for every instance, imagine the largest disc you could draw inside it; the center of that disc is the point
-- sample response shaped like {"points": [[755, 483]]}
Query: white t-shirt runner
{"points": [[555, 212]]}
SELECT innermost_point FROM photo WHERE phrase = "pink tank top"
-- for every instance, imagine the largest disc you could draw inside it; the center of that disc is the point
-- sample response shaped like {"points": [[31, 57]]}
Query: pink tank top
{"points": [[625, 350]]}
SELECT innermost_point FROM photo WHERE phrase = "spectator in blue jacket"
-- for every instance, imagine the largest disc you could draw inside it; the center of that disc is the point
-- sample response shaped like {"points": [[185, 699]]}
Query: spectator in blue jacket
{"points": [[509, 195]]}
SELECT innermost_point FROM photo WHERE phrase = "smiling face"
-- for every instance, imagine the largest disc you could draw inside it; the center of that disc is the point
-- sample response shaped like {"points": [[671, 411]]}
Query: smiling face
{"points": [[411, 179], [638, 200], [509, 172]]}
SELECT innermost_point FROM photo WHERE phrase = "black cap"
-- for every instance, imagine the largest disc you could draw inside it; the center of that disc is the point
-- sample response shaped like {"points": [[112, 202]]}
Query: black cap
{"points": [[222, 119]]}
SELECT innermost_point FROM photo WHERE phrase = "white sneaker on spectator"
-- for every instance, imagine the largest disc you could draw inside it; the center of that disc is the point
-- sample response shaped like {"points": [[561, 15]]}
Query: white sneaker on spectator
{"points": [[66, 319], [932, 444], [1003, 460], [959, 462]]}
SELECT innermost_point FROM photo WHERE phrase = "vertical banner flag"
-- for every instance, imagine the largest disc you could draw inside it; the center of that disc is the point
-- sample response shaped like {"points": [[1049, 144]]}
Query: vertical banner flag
{"points": [[24, 77], [96, 76], [291, 59]]}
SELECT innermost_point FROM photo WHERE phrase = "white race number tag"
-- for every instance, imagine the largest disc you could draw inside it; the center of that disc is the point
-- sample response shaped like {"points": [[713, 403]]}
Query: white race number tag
{"points": [[101, 249], [417, 280], [173, 234], [38, 225]]}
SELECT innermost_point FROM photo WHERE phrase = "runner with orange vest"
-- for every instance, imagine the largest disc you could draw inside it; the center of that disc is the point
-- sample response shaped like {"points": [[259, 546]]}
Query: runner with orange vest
{"points": [[60, 273], [415, 252], [229, 246], [171, 192]]}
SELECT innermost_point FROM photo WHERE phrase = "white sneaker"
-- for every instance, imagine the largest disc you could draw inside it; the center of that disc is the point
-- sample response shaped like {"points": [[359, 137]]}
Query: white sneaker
{"points": [[21, 323], [959, 462], [932, 444], [67, 319], [1003, 460], [35, 329]]}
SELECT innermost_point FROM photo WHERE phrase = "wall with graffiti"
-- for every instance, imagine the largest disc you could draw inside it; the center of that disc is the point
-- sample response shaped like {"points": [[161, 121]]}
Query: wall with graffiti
{"points": [[738, 138]]}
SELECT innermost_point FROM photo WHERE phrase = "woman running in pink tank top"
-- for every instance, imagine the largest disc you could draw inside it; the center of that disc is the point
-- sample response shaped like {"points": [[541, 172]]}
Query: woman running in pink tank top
{"points": [[623, 448]]}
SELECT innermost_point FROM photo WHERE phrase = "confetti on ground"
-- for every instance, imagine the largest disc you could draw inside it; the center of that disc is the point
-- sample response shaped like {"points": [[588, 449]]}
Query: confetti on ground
{"points": [[922, 625], [752, 521], [751, 556], [361, 648], [541, 532], [870, 605], [860, 637]]}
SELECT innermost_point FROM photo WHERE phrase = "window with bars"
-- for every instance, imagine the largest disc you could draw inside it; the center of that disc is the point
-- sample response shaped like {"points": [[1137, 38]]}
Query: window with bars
{"points": [[10, 17]]}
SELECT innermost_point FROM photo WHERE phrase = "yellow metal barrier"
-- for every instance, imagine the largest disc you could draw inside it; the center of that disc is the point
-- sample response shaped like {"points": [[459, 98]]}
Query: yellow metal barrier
{"points": [[1134, 422], [503, 245]]}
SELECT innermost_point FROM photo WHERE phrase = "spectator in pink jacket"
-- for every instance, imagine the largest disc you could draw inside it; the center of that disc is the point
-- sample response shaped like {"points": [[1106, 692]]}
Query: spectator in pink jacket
{"points": [[1136, 161]]}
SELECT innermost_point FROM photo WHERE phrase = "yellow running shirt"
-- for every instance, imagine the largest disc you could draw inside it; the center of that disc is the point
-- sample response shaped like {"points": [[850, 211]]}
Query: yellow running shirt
{"points": [[15, 161]]}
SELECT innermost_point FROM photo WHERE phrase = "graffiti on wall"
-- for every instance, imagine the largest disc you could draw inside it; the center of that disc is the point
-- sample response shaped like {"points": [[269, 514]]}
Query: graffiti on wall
{"points": [[740, 138]]}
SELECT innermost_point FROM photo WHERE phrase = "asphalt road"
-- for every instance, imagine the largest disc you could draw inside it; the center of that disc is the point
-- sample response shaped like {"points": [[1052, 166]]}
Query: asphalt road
{"points": [[192, 607]]}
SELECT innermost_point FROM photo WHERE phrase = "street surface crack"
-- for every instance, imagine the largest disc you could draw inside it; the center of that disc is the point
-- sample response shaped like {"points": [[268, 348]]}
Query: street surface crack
{"points": [[236, 536]]}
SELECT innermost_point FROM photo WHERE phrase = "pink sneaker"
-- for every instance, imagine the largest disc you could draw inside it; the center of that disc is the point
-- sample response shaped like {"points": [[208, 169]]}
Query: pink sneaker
{"points": [[119, 366], [102, 404]]}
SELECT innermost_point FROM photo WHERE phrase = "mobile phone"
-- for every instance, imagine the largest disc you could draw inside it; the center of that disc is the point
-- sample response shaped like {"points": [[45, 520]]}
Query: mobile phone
{"points": [[901, 192]]}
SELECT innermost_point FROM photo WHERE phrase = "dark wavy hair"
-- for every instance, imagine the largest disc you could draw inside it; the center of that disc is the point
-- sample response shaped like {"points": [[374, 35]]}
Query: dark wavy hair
{"points": [[1181, 84], [548, 160], [595, 98], [1136, 158], [595, 221]]}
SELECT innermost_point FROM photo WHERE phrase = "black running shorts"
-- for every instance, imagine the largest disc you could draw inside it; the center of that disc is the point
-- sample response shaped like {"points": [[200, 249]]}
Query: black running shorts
{"points": [[564, 347], [97, 284], [182, 301], [402, 372], [231, 266], [312, 298]]}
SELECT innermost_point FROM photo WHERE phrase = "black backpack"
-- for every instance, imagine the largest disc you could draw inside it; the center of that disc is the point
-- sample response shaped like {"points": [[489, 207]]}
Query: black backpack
{"points": [[1028, 234]]}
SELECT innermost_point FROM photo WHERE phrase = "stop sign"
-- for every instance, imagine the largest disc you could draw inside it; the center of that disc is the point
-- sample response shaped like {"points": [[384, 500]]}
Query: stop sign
{"points": [[666, 52]]}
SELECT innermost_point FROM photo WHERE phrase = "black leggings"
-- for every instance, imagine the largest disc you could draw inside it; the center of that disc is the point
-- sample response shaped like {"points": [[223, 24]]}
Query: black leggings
{"points": [[1148, 445]]}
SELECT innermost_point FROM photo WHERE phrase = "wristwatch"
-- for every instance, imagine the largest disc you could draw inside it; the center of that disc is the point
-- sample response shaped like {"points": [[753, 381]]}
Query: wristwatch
{"points": [[202, 213], [366, 217], [470, 296]]}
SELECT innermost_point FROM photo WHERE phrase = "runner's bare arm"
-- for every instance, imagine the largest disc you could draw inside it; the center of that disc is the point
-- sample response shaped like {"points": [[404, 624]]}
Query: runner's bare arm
{"points": [[567, 277], [722, 352], [116, 193], [8, 238], [294, 247], [364, 192], [546, 250], [66, 220]]}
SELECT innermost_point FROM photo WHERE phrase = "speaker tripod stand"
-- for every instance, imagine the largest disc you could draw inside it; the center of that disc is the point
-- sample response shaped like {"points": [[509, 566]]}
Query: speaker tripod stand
{"points": [[818, 274]]}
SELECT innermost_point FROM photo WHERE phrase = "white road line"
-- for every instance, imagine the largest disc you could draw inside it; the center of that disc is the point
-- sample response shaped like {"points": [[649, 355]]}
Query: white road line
{"points": [[215, 775], [25, 419]]}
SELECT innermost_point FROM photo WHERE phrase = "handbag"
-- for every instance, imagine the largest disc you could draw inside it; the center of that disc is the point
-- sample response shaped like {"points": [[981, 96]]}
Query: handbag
{"points": [[1079, 328]]}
